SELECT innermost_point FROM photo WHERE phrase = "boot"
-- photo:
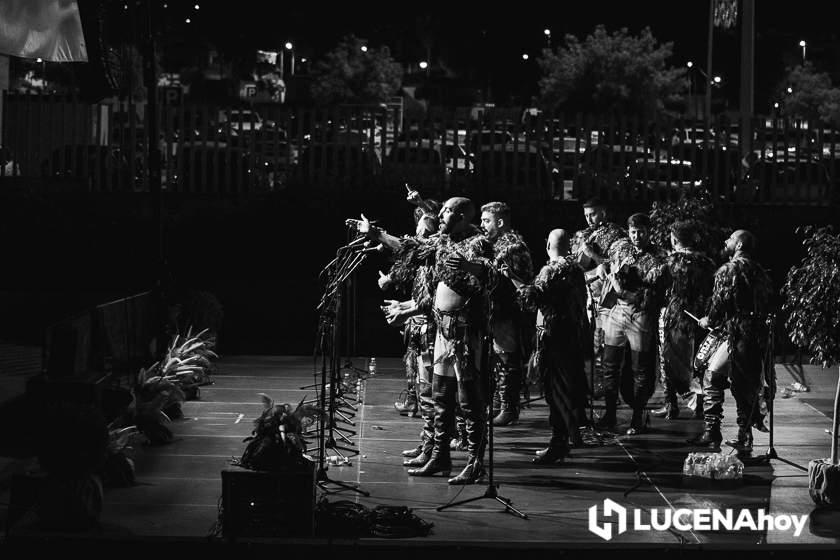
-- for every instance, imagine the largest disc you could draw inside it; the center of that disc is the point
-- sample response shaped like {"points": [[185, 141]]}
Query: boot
{"points": [[554, 454], [423, 456], [473, 409], [670, 410], [639, 422], [471, 474], [411, 453], [709, 438], [444, 390], [509, 394], [608, 420], [408, 407], [744, 442]]}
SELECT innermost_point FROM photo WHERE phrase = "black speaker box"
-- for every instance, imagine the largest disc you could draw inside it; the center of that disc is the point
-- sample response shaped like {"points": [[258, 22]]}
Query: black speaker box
{"points": [[268, 504]]}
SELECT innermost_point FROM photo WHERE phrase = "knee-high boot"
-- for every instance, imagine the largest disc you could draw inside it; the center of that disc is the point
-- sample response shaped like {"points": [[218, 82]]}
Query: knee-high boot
{"points": [[472, 404], [445, 390], [421, 455]]}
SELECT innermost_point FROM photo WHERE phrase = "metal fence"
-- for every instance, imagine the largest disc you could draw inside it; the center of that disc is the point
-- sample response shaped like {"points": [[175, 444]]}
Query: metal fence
{"points": [[55, 143]]}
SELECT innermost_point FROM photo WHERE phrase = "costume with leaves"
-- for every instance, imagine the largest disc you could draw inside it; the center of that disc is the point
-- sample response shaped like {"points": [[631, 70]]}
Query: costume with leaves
{"points": [[688, 277], [738, 311], [563, 332]]}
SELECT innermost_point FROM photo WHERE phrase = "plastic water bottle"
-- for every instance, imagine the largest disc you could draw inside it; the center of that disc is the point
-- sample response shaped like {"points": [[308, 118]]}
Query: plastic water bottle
{"points": [[372, 366]]}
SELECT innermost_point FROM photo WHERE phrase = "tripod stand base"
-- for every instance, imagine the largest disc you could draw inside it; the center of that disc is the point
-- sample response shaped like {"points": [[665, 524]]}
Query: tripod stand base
{"points": [[492, 493], [321, 479], [769, 455]]}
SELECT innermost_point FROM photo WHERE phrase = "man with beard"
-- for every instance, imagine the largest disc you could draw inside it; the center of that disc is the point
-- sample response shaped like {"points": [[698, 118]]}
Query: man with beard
{"points": [[688, 276], [463, 275], [559, 296], [508, 322], [737, 311], [635, 271], [590, 248]]}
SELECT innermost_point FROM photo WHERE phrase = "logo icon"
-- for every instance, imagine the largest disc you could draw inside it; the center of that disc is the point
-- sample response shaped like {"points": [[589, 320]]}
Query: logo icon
{"points": [[610, 509]]}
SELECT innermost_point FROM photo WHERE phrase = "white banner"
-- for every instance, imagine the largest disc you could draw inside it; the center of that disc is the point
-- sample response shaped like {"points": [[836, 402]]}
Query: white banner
{"points": [[48, 29]]}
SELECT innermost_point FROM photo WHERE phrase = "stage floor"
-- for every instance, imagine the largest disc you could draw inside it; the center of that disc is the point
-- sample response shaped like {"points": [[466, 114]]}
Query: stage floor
{"points": [[179, 485]]}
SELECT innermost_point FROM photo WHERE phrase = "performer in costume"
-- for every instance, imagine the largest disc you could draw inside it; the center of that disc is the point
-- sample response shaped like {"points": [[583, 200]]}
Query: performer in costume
{"points": [[558, 293], [591, 247], [634, 274], [463, 277], [508, 321], [738, 310], [688, 277]]}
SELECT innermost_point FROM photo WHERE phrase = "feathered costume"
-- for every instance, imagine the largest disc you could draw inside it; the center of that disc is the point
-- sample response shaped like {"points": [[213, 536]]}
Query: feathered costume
{"points": [[740, 299], [413, 273], [559, 293]]}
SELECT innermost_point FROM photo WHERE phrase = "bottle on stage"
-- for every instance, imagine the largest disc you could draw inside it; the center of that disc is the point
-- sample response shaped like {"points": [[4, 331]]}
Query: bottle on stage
{"points": [[372, 366]]}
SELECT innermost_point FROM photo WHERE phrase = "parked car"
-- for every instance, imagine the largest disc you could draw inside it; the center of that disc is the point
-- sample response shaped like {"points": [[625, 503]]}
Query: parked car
{"points": [[243, 120], [218, 170], [96, 168], [417, 163], [647, 177], [330, 164], [787, 181], [516, 167]]}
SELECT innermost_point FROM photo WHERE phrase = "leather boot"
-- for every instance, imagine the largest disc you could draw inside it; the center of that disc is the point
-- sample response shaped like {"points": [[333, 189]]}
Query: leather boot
{"points": [[608, 420], [509, 393], [671, 409], [555, 453], [473, 408], [639, 422], [409, 406], [423, 456], [444, 390], [414, 452], [744, 442], [710, 437]]}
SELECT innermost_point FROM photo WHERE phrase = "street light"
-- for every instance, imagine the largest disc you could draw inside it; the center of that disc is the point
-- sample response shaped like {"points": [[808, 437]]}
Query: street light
{"points": [[803, 44], [364, 48], [290, 47], [525, 56], [547, 33], [790, 89], [716, 80]]}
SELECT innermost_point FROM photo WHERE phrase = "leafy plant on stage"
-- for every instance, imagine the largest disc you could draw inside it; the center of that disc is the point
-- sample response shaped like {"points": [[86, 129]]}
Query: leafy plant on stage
{"points": [[696, 208], [277, 442], [157, 401], [118, 470], [187, 362], [812, 302]]}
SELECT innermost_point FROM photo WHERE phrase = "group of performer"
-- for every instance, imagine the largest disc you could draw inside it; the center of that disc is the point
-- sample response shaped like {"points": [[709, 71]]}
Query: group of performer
{"points": [[473, 304]]}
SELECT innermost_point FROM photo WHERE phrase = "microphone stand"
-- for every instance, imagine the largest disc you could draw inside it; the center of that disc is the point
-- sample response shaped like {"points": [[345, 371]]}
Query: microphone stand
{"points": [[492, 490], [770, 379], [345, 263]]}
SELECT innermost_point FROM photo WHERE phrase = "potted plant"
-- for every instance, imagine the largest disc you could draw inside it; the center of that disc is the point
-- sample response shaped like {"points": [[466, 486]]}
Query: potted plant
{"points": [[812, 301]]}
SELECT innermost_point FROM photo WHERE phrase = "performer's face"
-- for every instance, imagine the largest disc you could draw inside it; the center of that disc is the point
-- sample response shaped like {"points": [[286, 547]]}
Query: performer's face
{"points": [[730, 246], [594, 216], [490, 223], [639, 236], [448, 217]]}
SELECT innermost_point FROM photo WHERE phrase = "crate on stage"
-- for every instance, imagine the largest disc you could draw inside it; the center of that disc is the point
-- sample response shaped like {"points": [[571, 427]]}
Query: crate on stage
{"points": [[268, 504]]}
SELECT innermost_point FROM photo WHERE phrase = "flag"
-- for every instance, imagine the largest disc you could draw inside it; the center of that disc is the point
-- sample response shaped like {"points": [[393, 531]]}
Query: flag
{"points": [[47, 29]]}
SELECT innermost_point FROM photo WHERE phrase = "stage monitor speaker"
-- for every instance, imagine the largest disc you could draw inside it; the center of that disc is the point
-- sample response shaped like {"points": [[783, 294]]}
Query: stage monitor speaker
{"points": [[268, 504]]}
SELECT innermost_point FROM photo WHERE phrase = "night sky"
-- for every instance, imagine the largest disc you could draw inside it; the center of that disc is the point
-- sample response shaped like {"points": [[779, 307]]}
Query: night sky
{"points": [[483, 44]]}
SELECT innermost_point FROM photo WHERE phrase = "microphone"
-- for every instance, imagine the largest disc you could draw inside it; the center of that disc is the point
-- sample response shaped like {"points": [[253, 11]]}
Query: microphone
{"points": [[376, 249], [356, 242]]}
